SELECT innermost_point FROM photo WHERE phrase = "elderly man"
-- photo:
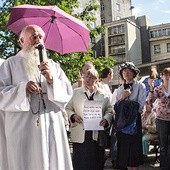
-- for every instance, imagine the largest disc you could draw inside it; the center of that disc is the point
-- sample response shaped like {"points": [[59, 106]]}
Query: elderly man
{"points": [[33, 96]]}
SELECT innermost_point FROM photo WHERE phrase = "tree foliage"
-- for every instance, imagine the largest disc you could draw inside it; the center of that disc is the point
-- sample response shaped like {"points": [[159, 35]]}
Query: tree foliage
{"points": [[71, 63]]}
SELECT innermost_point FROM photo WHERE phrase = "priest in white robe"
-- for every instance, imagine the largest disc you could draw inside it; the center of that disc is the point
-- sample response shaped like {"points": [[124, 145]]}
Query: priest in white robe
{"points": [[33, 96]]}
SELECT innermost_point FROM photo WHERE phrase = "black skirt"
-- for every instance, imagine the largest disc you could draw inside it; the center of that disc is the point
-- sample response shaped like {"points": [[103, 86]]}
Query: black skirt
{"points": [[88, 155], [129, 148]]}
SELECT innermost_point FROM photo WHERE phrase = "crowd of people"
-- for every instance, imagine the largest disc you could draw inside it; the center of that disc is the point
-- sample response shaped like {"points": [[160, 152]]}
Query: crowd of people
{"points": [[37, 101]]}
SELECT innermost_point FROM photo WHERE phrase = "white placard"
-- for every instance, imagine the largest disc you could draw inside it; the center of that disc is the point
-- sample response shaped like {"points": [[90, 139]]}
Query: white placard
{"points": [[92, 115]]}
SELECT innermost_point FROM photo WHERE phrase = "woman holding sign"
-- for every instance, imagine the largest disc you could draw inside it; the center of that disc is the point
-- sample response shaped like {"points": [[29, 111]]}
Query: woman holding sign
{"points": [[90, 112]]}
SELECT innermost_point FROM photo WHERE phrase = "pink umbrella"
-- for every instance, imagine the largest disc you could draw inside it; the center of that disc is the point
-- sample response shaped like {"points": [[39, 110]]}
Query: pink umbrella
{"points": [[64, 33]]}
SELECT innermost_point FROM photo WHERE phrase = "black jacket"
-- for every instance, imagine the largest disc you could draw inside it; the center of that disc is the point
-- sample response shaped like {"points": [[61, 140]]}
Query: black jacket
{"points": [[126, 113]]}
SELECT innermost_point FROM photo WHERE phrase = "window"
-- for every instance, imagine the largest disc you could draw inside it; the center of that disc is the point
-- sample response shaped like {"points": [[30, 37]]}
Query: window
{"points": [[117, 7], [121, 39], [168, 47], [102, 7], [111, 41], [160, 33], [117, 40], [102, 20], [155, 33], [151, 34], [117, 50], [157, 49], [121, 29], [111, 50], [166, 32], [110, 31], [116, 30]]}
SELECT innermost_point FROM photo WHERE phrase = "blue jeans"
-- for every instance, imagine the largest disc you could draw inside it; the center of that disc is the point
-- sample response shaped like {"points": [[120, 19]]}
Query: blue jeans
{"points": [[145, 146], [163, 128]]}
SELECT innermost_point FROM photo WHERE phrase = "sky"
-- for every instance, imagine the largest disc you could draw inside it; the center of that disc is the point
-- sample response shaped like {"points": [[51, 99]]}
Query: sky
{"points": [[158, 11]]}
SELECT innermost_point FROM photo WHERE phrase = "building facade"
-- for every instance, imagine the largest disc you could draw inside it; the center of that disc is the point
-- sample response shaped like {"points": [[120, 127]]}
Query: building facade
{"points": [[123, 42], [131, 39], [112, 10], [159, 44]]}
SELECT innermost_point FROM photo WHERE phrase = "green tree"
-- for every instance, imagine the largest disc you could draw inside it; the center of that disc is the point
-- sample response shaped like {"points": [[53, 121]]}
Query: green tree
{"points": [[71, 63]]}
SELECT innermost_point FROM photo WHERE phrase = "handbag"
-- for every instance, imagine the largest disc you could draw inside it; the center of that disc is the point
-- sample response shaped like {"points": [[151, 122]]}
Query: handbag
{"points": [[126, 116], [130, 129]]}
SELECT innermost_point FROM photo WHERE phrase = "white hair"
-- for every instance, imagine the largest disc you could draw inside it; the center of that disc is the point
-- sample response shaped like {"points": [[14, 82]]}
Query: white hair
{"points": [[27, 29]]}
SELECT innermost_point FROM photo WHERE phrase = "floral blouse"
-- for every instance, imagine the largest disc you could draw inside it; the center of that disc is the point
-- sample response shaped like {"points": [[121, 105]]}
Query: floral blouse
{"points": [[162, 106]]}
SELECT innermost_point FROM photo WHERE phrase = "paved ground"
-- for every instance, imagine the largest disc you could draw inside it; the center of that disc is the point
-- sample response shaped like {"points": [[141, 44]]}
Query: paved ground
{"points": [[149, 164]]}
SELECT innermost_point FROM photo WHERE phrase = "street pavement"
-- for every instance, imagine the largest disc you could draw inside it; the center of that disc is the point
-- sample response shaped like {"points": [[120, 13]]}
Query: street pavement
{"points": [[149, 164]]}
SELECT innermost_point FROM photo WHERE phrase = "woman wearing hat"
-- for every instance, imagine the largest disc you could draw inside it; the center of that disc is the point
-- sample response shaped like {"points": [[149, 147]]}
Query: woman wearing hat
{"points": [[131, 97]]}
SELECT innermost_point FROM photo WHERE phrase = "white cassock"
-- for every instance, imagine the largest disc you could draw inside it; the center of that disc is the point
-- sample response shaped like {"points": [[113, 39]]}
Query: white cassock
{"points": [[23, 144], [1, 61]]}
